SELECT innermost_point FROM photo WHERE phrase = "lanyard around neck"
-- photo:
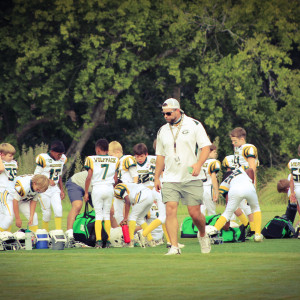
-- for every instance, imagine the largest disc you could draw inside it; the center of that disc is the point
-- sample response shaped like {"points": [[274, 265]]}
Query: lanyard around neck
{"points": [[176, 135]]}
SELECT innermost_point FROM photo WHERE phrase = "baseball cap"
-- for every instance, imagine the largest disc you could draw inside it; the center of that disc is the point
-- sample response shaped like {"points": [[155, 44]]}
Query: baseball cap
{"points": [[172, 103]]}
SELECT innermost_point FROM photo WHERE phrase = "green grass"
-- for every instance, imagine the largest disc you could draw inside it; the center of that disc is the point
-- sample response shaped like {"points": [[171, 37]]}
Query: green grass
{"points": [[266, 270], [250, 270]]}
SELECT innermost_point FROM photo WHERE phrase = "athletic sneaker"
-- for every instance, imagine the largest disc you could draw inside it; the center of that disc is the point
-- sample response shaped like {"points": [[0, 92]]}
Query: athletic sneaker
{"points": [[142, 239], [204, 243], [258, 237], [180, 246], [174, 251]]}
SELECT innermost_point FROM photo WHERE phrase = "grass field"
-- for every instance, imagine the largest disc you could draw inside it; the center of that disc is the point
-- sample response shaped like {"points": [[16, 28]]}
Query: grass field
{"points": [[249, 270]]}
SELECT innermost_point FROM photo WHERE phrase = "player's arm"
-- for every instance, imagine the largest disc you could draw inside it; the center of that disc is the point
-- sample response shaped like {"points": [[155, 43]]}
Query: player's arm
{"points": [[61, 187], [159, 167], [2, 168], [126, 210], [87, 185], [252, 165], [215, 186], [32, 211], [293, 198], [202, 158], [17, 213], [134, 174]]}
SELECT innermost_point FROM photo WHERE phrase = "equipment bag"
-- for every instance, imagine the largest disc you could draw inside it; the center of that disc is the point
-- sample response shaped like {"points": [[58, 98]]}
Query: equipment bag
{"points": [[84, 227], [211, 220], [189, 230], [233, 235], [291, 212], [278, 228]]}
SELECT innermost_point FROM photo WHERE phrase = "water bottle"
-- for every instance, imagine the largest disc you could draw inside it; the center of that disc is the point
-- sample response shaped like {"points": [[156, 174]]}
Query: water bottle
{"points": [[28, 240], [126, 235]]}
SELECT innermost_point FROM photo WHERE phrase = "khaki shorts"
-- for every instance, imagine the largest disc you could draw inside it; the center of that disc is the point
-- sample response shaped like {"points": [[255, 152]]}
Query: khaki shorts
{"points": [[190, 193]]}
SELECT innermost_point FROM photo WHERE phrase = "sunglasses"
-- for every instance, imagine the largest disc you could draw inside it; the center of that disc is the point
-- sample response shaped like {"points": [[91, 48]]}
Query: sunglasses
{"points": [[167, 113]]}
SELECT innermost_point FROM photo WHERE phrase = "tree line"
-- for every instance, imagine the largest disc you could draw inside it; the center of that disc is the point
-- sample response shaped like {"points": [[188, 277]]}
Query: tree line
{"points": [[85, 69]]}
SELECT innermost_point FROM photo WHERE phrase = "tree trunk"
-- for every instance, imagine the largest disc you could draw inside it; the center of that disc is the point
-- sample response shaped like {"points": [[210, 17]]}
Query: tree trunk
{"points": [[85, 133]]}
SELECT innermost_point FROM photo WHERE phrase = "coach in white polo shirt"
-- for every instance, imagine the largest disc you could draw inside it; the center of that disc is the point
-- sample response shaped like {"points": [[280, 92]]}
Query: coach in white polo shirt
{"points": [[182, 148]]}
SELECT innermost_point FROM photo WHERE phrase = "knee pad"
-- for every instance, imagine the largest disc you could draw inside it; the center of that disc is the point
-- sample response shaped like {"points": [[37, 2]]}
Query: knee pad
{"points": [[46, 214]]}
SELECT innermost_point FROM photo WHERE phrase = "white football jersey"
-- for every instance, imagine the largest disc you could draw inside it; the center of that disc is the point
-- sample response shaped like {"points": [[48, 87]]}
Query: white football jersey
{"points": [[238, 177], [242, 153], [211, 165], [23, 189], [294, 166], [49, 167], [8, 176], [146, 171], [104, 168], [132, 190], [127, 168]]}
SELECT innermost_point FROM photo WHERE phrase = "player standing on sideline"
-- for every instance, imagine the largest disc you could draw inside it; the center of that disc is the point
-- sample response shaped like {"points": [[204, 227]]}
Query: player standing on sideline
{"points": [[102, 175], [27, 193], [211, 167], [239, 185], [127, 173], [245, 155], [178, 145], [8, 173], [51, 165], [75, 187], [294, 192]]}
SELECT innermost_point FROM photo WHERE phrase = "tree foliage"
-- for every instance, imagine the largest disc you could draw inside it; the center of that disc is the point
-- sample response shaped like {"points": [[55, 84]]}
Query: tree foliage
{"points": [[80, 70]]}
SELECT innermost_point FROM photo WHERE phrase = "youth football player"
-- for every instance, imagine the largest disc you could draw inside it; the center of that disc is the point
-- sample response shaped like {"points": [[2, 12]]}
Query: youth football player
{"points": [[51, 165], [102, 175]]}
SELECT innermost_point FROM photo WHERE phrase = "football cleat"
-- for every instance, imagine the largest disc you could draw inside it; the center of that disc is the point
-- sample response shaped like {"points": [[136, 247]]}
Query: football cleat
{"points": [[141, 238], [99, 244]]}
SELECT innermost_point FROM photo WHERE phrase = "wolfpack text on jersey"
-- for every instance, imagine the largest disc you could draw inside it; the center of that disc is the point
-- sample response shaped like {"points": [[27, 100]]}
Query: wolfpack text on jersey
{"points": [[104, 168]]}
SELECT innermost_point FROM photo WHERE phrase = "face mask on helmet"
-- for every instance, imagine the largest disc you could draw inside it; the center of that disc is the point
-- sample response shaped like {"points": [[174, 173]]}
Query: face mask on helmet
{"points": [[8, 241], [20, 237]]}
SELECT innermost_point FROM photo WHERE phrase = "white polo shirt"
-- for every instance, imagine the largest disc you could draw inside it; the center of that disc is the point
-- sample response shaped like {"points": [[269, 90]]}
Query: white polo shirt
{"points": [[191, 138]]}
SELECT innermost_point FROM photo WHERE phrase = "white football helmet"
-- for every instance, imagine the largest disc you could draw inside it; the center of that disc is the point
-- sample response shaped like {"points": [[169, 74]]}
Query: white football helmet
{"points": [[20, 237], [116, 237], [8, 241], [213, 234]]}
